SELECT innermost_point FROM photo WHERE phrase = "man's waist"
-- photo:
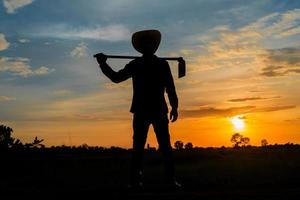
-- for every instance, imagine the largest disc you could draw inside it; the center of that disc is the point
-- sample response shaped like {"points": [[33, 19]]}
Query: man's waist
{"points": [[140, 108]]}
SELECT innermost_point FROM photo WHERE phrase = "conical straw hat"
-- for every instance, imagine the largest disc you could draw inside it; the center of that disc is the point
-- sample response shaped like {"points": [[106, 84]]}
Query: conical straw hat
{"points": [[146, 41]]}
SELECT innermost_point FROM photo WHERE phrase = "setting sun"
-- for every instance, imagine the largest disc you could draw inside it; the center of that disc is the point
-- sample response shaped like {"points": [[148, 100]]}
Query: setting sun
{"points": [[238, 122]]}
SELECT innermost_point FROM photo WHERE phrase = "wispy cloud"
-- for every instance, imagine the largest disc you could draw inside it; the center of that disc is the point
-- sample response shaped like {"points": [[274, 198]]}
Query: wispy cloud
{"points": [[250, 99], [225, 47], [123, 85], [94, 106], [211, 111], [280, 62], [293, 120], [13, 5], [230, 111], [79, 51], [21, 67], [277, 25], [274, 108], [23, 40], [6, 98], [246, 99], [111, 33], [3, 43], [103, 116]]}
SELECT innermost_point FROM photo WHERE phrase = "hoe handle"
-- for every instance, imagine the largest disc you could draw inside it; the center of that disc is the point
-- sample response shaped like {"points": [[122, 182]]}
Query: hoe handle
{"points": [[181, 62]]}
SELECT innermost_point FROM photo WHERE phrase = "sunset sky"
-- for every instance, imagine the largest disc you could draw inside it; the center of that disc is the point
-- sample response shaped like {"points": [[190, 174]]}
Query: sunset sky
{"points": [[243, 69]]}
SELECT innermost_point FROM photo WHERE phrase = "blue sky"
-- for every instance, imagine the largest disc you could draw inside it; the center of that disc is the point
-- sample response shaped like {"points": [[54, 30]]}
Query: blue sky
{"points": [[46, 65]]}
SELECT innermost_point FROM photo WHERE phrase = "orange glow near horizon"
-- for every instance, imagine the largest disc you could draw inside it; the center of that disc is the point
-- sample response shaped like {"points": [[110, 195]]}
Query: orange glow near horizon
{"points": [[204, 132]]}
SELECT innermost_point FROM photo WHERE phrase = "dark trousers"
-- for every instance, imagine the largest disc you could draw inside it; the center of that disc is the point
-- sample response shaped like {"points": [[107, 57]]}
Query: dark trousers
{"points": [[140, 130]]}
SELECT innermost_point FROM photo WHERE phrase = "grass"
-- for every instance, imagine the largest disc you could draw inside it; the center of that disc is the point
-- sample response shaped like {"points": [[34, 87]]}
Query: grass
{"points": [[222, 173]]}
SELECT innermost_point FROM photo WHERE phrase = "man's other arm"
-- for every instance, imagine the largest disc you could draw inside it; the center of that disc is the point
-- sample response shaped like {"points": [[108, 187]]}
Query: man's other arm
{"points": [[171, 91]]}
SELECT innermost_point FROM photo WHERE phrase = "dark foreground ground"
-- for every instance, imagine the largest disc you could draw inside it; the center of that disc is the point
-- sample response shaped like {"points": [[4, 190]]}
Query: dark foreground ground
{"points": [[245, 173]]}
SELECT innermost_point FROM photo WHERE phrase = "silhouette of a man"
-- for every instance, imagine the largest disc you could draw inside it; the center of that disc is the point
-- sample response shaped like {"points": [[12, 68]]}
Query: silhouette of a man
{"points": [[151, 77]]}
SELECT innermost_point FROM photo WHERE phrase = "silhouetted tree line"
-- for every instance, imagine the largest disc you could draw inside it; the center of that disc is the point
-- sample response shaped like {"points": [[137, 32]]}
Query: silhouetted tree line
{"points": [[7, 141], [238, 140]]}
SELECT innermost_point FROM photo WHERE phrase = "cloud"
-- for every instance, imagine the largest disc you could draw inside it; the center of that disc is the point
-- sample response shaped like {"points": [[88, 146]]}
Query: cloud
{"points": [[224, 48], [12, 5], [42, 71], [274, 108], [280, 62], [231, 111], [79, 51], [101, 106], [271, 71], [211, 111], [122, 85], [111, 33], [246, 99], [278, 25], [3, 43], [244, 47], [103, 116], [20, 67], [286, 55], [274, 71], [6, 98], [250, 99], [293, 120], [24, 40]]}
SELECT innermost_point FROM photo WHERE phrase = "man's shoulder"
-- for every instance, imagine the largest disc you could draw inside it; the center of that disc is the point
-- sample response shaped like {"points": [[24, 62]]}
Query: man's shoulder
{"points": [[141, 61], [163, 61], [135, 61]]}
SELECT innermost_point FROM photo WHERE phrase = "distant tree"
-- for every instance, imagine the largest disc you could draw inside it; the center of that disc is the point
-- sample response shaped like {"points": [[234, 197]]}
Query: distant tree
{"points": [[18, 144], [86, 146], [236, 139], [264, 143], [239, 140], [37, 143], [245, 141], [178, 145], [6, 140], [188, 145]]}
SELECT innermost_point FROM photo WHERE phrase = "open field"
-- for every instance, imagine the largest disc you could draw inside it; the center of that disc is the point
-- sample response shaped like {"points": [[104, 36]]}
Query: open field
{"points": [[223, 173]]}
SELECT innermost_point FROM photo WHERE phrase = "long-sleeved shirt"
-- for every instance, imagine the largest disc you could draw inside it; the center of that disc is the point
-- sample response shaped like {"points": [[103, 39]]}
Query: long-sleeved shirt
{"points": [[151, 77]]}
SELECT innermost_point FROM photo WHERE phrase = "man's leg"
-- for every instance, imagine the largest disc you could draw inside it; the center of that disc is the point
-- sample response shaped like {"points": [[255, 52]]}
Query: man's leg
{"points": [[140, 130], [161, 129]]}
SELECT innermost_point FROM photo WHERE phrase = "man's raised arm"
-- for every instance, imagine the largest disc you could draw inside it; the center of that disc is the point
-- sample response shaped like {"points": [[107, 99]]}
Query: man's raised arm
{"points": [[115, 77]]}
